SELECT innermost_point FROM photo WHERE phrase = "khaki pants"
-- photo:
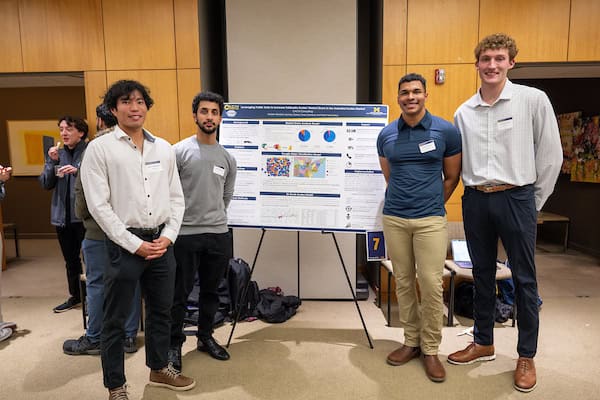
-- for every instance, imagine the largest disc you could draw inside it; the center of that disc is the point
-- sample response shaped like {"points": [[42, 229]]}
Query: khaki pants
{"points": [[418, 247]]}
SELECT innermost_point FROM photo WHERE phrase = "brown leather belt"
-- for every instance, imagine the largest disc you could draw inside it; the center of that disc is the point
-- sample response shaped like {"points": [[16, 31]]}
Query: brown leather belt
{"points": [[493, 188]]}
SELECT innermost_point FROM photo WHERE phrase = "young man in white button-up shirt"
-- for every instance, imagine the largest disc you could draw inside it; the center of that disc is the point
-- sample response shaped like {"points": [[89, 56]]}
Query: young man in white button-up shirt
{"points": [[133, 191], [511, 159]]}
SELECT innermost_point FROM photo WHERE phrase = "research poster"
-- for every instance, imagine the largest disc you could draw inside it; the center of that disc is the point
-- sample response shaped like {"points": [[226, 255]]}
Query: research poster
{"points": [[305, 166]]}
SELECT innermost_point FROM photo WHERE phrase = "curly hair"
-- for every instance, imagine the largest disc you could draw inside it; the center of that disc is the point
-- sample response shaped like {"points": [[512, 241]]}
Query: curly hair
{"points": [[125, 88], [497, 41], [75, 122]]}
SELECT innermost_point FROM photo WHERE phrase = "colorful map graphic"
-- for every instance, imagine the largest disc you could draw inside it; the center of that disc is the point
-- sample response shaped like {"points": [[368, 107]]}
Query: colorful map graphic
{"points": [[308, 167], [278, 166]]}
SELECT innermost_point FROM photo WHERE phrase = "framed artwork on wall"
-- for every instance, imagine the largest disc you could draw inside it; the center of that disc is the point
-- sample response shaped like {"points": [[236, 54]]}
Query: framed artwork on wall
{"points": [[28, 144]]}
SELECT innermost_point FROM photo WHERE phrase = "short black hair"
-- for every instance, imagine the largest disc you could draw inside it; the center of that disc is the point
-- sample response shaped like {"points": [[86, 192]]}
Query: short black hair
{"points": [[105, 115], [208, 96], [413, 77], [123, 88], [76, 122]]}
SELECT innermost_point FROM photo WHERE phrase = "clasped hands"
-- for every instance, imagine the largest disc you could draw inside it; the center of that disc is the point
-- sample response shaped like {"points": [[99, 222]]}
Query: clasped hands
{"points": [[154, 249]]}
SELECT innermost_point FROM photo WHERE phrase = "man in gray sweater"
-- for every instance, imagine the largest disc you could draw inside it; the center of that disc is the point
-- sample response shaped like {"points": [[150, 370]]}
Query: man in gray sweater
{"points": [[207, 172]]}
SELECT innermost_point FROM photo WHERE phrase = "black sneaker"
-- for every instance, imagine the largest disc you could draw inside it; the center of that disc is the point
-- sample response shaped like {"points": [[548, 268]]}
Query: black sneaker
{"points": [[130, 346], [174, 357], [81, 346], [67, 305]]}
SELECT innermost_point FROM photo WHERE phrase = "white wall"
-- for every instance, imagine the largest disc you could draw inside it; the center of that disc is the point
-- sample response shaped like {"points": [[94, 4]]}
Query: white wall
{"points": [[294, 51]]}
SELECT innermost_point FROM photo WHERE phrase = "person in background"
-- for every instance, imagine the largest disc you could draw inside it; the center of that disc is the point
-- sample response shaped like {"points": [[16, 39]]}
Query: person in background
{"points": [[512, 156], [133, 192], [207, 172], [95, 257], [420, 157], [6, 328], [60, 171]]}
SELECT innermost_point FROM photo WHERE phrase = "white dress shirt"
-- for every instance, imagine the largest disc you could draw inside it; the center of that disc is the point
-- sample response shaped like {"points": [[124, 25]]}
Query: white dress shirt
{"points": [[513, 141], [125, 188]]}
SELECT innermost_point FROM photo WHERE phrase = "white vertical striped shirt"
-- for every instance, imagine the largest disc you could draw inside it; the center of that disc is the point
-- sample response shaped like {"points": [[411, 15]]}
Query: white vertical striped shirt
{"points": [[513, 141]]}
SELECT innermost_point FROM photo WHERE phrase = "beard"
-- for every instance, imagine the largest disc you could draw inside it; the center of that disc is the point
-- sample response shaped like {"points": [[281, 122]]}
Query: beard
{"points": [[205, 130]]}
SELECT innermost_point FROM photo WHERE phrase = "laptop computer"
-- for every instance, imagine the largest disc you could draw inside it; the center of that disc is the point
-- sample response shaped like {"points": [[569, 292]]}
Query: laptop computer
{"points": [[460, 253]]}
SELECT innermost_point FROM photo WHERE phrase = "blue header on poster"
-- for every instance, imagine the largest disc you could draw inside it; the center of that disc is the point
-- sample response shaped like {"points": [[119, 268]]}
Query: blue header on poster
{"points": [[236, 111]]}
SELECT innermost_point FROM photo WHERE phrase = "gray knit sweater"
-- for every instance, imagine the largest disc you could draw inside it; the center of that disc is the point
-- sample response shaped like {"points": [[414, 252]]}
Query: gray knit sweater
{"points": [[207, 174]]}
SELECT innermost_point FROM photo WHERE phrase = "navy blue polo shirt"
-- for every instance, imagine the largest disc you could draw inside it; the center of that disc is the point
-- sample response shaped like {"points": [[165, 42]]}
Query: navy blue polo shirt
{"points": [[415, 156]]}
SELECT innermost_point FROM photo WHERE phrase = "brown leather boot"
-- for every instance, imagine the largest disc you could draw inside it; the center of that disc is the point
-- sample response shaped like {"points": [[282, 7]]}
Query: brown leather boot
{"points": [[433, 368], [525, 379], [402, 355], [472, 353]]}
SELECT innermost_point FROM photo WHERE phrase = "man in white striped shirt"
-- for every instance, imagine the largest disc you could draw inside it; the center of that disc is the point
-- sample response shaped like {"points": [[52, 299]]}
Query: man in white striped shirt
{"points": [[511, 159]]}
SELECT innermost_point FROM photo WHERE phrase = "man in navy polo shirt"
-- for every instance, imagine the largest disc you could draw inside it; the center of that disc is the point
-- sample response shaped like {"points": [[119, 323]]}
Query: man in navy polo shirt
{"points": [[420, 157]]}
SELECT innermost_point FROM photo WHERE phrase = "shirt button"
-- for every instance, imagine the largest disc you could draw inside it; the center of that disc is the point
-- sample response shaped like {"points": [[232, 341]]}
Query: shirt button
{"points": [[149, 213]]}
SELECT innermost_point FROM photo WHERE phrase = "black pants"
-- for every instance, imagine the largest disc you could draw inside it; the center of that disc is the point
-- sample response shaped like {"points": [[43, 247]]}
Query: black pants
{"points": [[70, 237], [209, 254], [156, 278], [510, 215]]}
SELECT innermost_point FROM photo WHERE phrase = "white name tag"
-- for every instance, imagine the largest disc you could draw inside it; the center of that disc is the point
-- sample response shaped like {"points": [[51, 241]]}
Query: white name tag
{"points": [[504, 124], [219, 171], [153, 166], [427, 146]]}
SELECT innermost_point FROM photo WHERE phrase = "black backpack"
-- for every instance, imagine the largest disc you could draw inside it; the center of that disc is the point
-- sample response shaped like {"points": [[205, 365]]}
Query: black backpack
{"points": [[238, 277]]}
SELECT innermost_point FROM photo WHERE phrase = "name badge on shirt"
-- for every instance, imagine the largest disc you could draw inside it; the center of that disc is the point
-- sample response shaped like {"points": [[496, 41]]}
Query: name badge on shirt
{"points": [[153, 166], [427, 146], [505, 123], [219, 170]]}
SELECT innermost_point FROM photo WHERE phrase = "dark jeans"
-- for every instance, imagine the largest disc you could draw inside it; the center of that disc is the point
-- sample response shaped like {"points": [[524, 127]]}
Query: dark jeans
{"points": [[70, 237], [510, 215], [121, 276], [209, 255]]}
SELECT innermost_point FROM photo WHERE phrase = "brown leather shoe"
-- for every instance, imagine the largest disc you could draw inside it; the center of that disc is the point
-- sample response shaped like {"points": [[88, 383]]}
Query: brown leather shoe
{"points": [[525, 380], [473, 353], [434, 369], [402, 355]]}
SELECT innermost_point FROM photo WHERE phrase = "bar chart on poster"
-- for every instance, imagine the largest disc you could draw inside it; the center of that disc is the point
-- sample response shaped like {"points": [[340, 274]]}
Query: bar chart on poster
{"points": [[305, 166]]}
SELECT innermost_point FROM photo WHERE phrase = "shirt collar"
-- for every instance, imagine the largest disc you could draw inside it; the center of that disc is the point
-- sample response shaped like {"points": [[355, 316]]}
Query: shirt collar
{"points": [[506, 94], [120, 134], [425, 122]]}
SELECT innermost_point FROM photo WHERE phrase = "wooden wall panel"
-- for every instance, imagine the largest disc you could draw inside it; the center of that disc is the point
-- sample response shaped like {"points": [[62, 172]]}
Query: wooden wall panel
{"points": [[394, 32], [441, 31], [391, 76], [540, 27], [187, 39], [95, 87], [10, 37], [584, 38], [162, 119], [443, 100], [61, 35], [139, 34], [188, 85]]}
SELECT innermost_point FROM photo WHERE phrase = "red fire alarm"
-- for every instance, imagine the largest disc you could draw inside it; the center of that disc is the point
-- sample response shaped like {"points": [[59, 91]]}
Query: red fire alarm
{"points": [[440, 76]]}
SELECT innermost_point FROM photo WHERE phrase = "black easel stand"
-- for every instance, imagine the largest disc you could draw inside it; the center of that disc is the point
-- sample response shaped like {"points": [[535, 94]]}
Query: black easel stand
{"points": [[237, 313], [350, 286]]}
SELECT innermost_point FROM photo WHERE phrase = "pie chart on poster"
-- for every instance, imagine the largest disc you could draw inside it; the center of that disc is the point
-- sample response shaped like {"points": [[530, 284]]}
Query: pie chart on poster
{"points": [[329, 136], [304, 135]]}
